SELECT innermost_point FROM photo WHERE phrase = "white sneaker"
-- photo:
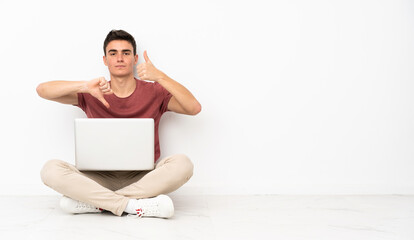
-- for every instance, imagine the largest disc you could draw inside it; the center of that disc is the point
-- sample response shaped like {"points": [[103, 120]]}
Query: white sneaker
{"points": [[160, 206], [72, 206]]}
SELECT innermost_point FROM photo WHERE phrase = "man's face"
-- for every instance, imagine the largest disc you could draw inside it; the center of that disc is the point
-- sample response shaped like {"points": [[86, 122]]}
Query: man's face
{"points": [[120, 58]]}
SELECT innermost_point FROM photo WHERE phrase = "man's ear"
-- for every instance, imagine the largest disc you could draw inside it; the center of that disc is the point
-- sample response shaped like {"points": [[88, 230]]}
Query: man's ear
{"points": [[136, 59], [104, 60]]}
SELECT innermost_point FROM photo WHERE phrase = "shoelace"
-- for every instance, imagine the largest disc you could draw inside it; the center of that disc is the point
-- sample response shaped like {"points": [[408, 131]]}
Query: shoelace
{"points": [[85, 206], [151, 209], [139, 214]]}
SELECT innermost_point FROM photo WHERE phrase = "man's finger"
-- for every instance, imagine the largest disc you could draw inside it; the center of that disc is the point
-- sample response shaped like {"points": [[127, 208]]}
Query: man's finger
{"points": [[102, 81], [141, 76], [140, 71], [102, 99], [105, 86], [146, 57], [109, 92], [105, 90]]}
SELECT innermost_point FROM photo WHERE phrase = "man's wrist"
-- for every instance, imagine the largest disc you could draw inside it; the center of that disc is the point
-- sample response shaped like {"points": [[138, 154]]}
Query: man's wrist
{"points": [[83, 87], [163, 78]]}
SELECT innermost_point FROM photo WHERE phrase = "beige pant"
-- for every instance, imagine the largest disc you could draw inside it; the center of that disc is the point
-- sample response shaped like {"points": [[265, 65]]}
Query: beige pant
{"points": [[111, 190]]}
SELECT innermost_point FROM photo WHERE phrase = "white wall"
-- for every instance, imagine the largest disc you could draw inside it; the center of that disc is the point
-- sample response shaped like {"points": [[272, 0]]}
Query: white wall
{"points": [[304, 97]]}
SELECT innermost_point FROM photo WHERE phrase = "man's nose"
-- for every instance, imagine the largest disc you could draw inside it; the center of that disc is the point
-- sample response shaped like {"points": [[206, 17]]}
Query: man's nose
{"points": [[120, 58]]}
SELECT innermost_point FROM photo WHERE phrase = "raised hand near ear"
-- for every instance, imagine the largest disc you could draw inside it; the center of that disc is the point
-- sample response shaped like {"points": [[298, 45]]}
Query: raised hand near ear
{"points": [[99, 87], [147, 70]]}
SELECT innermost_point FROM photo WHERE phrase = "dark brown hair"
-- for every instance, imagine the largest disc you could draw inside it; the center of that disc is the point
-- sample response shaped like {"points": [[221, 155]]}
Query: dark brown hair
{"points": [[119, 35]]}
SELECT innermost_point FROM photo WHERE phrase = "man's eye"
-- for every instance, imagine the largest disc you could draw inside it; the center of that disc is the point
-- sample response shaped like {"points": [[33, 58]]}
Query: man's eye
{"points": [[127, 53], [112, 54]]}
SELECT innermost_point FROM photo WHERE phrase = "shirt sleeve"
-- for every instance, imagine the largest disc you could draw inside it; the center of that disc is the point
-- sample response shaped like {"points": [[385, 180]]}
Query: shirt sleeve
{"points": [[81, 101], [164, 95]]}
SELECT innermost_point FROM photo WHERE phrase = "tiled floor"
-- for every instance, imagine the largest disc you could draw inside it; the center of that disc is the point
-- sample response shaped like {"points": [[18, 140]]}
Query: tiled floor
{"points": [[221, 217]]}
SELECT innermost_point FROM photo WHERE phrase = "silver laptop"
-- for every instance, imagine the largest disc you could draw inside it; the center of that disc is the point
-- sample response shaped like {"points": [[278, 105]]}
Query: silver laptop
{"points": [[114, 144]]}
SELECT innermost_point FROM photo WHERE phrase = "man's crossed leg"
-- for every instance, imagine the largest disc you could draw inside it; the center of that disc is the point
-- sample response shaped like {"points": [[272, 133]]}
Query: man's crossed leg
{"points": [[133, 192]]}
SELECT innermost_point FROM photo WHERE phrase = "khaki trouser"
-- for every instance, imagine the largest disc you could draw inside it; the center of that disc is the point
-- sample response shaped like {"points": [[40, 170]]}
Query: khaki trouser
{"points": [[111, 190]]}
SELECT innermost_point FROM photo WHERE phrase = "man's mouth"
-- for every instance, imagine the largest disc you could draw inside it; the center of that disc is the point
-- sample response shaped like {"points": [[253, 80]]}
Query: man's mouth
{"points": [[119, 66]]}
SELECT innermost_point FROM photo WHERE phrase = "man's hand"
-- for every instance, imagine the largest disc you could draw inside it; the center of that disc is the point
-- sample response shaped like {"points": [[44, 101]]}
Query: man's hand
{"points": [[182, 101], [147, 71], [99, 87]]}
